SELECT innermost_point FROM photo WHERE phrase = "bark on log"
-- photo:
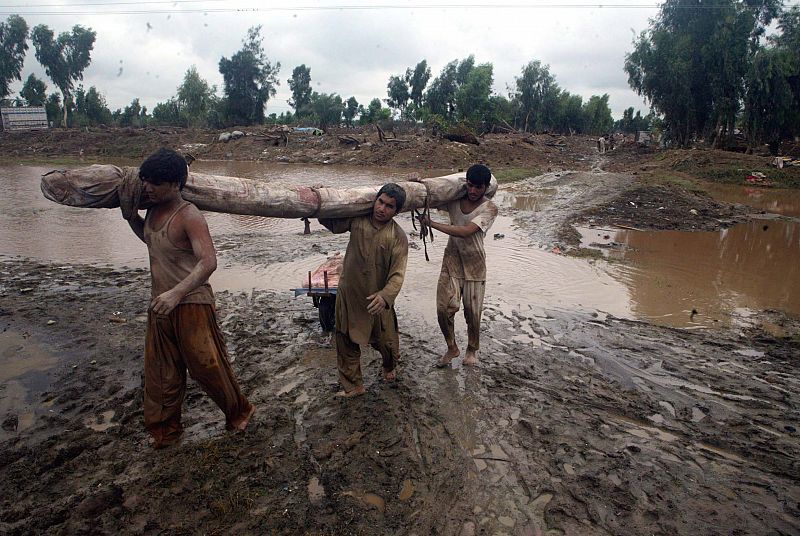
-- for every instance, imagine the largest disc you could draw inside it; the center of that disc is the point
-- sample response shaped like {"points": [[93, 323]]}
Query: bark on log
{"points": [[97, 187]]}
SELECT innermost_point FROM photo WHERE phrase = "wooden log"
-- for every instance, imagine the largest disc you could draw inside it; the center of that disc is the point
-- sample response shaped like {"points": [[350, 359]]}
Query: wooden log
{"points": [[97, 186]]}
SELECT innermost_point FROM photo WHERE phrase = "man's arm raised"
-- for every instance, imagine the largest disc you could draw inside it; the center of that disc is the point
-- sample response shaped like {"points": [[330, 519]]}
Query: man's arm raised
{"points": [[459, 231]]}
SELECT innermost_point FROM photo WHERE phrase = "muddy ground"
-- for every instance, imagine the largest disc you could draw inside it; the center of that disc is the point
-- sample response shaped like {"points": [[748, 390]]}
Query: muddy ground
{"points": [[573, 424]]}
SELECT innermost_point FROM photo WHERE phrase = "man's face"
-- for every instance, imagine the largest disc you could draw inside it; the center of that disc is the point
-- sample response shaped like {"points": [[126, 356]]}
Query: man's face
{"points": [[475, 192], [153, 194], [384, 209]]}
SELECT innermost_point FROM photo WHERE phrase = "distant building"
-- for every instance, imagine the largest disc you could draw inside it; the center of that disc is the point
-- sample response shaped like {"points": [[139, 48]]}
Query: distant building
{"points": [[23, 118]]}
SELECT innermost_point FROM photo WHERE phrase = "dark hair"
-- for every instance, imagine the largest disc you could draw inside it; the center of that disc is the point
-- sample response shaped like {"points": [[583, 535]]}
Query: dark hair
{"points": [[165, 165], [479, 175], [395, 192]]}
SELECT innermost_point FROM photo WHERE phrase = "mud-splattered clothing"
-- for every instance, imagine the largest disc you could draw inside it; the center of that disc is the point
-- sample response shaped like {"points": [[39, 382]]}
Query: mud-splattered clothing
{"points": [[170, 264], [463, 276], [375, 262], [188, 338], [465, 258]]}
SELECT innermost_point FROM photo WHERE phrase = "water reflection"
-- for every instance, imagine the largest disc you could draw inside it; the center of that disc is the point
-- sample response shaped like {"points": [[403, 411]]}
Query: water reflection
{"points": [[670, 273], [774, 200]]}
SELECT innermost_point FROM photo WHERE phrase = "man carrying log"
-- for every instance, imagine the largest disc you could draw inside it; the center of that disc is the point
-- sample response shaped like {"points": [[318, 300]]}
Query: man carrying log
{"points": [[372, 275], [463, 275], [182, 329]]}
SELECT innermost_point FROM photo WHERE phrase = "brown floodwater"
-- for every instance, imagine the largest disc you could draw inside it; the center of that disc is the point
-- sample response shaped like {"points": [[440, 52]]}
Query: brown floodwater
{"points": [[772, 200], [666, 276], [670, 274]]}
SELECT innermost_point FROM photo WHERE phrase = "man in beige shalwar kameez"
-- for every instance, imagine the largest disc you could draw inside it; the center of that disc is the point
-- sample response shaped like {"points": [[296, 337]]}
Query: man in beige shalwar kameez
{"points": [[463, 275], [372, 274]]}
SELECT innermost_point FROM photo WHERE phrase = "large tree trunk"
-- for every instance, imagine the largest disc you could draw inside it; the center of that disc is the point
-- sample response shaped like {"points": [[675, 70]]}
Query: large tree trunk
{"points": [[99, 186]]}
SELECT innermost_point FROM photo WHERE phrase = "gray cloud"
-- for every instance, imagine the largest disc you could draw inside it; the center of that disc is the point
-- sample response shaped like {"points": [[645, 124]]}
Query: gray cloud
{"points": [[353, 52]]}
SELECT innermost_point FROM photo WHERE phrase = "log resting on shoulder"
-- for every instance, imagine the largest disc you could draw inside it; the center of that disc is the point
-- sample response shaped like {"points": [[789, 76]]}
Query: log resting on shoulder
{"points": [[99, 186]]}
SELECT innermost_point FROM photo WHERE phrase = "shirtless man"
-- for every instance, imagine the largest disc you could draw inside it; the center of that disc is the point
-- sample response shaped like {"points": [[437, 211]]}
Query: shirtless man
{"points": [[182, 329], [372, 274], [463, 275]]}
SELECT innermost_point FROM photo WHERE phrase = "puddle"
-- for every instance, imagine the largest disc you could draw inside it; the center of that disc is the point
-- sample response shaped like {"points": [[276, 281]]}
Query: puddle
{"points": [[670, 274], [103, 423], [24, 366], [773, 200]]}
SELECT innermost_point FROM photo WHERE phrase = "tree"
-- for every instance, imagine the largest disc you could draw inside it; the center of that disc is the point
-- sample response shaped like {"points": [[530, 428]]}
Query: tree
{"points": [[64, 59], [250, 80], [13, 45], [374, 112], [397, 91], [691, 66], [195, 98], [168, 113], [440, 98], [327, 109], [772, 103], [350, 110], [34, 91], [53, 107], [538, 95], [91, 108], [300, 84], [134, 115], [598, 115], [472, 96], [417, 80]]}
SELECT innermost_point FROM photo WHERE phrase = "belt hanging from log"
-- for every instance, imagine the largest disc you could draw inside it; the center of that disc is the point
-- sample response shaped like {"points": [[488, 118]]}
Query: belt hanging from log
{"points": [[424, 229]]}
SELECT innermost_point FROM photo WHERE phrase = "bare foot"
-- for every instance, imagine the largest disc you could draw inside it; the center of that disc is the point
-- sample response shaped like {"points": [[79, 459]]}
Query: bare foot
{"points": [[448, 356], [242, 424], [390, 376], [356, 391], [470, 358]]}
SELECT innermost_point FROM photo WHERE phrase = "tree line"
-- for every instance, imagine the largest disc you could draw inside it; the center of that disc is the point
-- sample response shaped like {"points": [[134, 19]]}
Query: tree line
{"points": [[460, 94], [710, 71]]}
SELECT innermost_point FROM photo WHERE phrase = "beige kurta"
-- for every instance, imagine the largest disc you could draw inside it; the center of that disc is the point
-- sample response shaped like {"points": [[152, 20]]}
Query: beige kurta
{"points": [[375, 261]]}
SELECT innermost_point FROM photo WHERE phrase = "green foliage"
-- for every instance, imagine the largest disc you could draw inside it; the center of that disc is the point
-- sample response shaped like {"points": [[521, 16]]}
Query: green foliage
{"points": [[772, 99], [417, 80], [168, 113], [34, 91], [90, 108], [350, 110], [398, 93], [13, 45], [691, 63], [631, 123], [374, 112], [195, 99], [134, 115], [538, 96], [300, 84], [327, 109], [472, 96], [597, 115], [250, 80], [53, 107], [64, 58]]}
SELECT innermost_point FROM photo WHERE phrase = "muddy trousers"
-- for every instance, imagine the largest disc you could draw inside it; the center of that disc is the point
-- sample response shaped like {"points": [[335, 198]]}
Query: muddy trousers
{"points": [[385, 340], [187, 339], [450, 292]]}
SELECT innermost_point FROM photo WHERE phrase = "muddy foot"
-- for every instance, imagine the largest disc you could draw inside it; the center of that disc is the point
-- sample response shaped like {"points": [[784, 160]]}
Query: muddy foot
{"points": [[448, 356], [390, 376], [357, 391], [471, 358], [240, 425]]}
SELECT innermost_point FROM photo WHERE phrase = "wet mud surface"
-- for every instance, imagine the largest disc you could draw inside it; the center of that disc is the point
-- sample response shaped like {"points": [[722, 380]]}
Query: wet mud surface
{"points": [[571, 425], [575, 422]]}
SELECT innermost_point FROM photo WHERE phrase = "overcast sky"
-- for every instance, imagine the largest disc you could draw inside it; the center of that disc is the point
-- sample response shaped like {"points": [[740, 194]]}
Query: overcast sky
{"points": [[352, 47]]}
